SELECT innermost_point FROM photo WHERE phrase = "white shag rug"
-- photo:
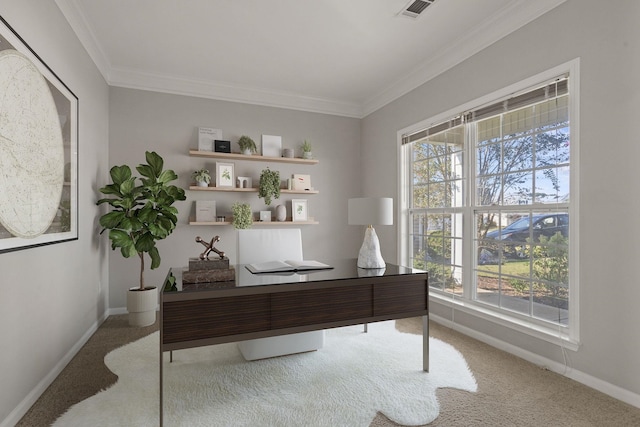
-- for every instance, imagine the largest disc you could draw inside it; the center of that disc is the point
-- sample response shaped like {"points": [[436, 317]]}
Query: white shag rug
{"points": [[345, 383]]}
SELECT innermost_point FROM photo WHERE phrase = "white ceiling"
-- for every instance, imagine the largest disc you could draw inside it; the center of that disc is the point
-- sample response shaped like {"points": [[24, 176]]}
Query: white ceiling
{"points": [[344, 57]]}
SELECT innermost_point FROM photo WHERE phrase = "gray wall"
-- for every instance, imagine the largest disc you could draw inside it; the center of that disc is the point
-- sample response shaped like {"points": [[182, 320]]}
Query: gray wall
{"points": [[142, 120], [53, 296], [606, 36]]}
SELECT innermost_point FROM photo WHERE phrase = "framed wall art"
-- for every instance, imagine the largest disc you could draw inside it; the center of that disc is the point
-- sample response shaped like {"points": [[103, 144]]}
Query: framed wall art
{"points": [[224, 174], [299, 210], [38, 149]]}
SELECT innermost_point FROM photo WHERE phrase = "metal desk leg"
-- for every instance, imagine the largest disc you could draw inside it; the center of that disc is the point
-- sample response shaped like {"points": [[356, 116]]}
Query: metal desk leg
{"points": [[425, 343], [161, 389]]}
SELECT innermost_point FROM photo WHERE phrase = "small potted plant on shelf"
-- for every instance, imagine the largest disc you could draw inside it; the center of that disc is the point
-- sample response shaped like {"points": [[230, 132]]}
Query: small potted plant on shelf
{"points": [[242, 216], [306, 150], [201, 177], [139, 216], [269, 185], [247, 145]]}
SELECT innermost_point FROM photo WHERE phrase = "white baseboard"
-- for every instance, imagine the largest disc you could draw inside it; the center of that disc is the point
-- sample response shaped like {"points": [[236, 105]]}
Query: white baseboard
{"points": [[118, 310], [26, 403], [559, 368]]}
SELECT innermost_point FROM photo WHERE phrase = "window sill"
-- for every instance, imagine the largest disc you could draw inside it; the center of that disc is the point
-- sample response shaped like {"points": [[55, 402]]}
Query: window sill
{"points": [[554, 335]]}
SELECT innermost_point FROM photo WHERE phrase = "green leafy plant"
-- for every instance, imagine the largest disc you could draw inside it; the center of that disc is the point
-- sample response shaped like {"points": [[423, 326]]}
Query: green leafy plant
{"points": [[201, 175], [269, 186], [141, 214], [306, 146], [246, 143], [242, 216]]}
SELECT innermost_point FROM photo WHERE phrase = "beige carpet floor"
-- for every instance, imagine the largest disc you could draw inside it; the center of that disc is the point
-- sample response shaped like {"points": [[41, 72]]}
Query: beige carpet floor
{"points": [[511, 391]]}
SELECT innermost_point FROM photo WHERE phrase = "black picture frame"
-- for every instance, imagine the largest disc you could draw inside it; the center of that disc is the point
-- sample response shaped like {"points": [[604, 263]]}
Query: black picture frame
{"points": [[38, 149]]}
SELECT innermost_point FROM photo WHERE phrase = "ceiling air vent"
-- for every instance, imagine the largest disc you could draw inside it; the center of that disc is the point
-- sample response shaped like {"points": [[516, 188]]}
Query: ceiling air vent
{"points": [[415, 8]]}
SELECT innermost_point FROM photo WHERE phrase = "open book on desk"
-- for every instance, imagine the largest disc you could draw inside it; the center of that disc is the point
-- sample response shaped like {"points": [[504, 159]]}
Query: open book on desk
{"points": [[286, 266]]}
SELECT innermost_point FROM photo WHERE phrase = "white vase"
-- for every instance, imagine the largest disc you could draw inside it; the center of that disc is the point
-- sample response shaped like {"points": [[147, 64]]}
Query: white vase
{"points": [[247, 152], [142, 305], [307, 155], [202, 184], [281, 213]]}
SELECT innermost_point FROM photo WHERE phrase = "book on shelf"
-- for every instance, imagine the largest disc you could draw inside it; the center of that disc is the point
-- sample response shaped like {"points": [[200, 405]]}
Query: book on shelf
{"points": [[286, 266]]}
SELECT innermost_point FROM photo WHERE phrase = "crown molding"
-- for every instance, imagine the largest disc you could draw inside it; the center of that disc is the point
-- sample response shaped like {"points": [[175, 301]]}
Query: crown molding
{"points": [[134, 79], [510, 19], [78, 22]]}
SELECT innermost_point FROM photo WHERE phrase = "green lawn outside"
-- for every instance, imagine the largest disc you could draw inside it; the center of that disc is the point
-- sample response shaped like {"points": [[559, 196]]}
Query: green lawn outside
{"points": [[512, 268]]}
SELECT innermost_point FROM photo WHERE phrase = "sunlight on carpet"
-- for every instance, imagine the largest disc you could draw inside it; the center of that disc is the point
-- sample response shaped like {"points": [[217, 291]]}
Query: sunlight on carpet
{"points": [[345, 383]]}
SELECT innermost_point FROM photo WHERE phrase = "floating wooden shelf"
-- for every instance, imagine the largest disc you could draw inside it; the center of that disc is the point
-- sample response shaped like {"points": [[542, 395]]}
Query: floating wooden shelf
{"points": [[253, 158], [249, 190], [259, 223]]}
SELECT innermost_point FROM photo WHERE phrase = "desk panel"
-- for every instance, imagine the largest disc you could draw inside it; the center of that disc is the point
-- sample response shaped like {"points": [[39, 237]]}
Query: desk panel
{"points": [[401, 296], [317, 306], [214, 317]]}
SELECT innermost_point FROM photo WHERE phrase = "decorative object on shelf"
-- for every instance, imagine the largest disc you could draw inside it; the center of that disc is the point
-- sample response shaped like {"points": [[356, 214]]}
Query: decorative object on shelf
{"points": [[220, 146], [210, 247], [271, 145], [288, 153], [265, 216], [242, 216], [247, 145], [301, 182], [205, 210], [205, 270], [281, 213], [224, 174], [299, 210], [306, 150], [269, 186], [244, 182], [201, 177], [369, 211], [141, 215], [221, 218], [38, 148], [206, 138]]}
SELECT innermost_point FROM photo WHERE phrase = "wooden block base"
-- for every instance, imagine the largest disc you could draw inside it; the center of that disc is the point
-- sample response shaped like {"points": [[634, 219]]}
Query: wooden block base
{"points": [[196, 264], [205, 276]]}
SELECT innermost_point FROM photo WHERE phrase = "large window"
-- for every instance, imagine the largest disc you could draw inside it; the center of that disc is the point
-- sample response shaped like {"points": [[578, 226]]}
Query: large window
{"points": [[486, 208]]}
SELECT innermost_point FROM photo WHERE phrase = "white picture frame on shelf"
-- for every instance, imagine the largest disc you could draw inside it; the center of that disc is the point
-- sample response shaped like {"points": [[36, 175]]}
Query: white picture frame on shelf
{"points": [[224, 174], [206, 138], [271, 146], [299, 210]]}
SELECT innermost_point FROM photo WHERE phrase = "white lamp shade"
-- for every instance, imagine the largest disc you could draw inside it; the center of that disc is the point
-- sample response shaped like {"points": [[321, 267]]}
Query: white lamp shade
{"points": [[371, 211]]}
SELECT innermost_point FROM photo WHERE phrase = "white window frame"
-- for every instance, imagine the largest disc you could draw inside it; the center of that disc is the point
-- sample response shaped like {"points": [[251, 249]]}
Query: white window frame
{"points": [[569, 336]]}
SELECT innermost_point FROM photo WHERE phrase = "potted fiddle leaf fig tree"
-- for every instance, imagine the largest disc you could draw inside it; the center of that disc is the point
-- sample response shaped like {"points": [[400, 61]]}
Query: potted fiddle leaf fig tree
{"points": [[141, 214]]}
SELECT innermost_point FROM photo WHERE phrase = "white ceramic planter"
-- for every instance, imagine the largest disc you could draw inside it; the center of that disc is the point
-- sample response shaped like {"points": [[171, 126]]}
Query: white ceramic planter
{"points": [[142, 306]]}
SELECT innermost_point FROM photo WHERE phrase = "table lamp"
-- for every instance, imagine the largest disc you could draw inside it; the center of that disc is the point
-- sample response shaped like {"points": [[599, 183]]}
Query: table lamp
{"points": [[371, 211]]}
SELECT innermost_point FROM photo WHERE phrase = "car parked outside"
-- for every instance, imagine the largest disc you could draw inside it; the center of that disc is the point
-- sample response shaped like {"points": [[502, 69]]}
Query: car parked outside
{"points": [[515, 235]]}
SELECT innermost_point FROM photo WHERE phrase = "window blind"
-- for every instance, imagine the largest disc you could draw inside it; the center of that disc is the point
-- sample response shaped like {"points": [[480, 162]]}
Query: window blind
{"points": [[557, 88]]}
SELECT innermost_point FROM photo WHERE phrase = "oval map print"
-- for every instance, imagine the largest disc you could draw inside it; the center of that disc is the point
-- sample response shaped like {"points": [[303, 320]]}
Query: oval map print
{"points": [[31, 148]]}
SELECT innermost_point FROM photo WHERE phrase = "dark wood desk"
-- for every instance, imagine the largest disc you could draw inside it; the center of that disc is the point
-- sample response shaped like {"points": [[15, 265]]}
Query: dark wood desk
{"points": [[264, 305]]}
